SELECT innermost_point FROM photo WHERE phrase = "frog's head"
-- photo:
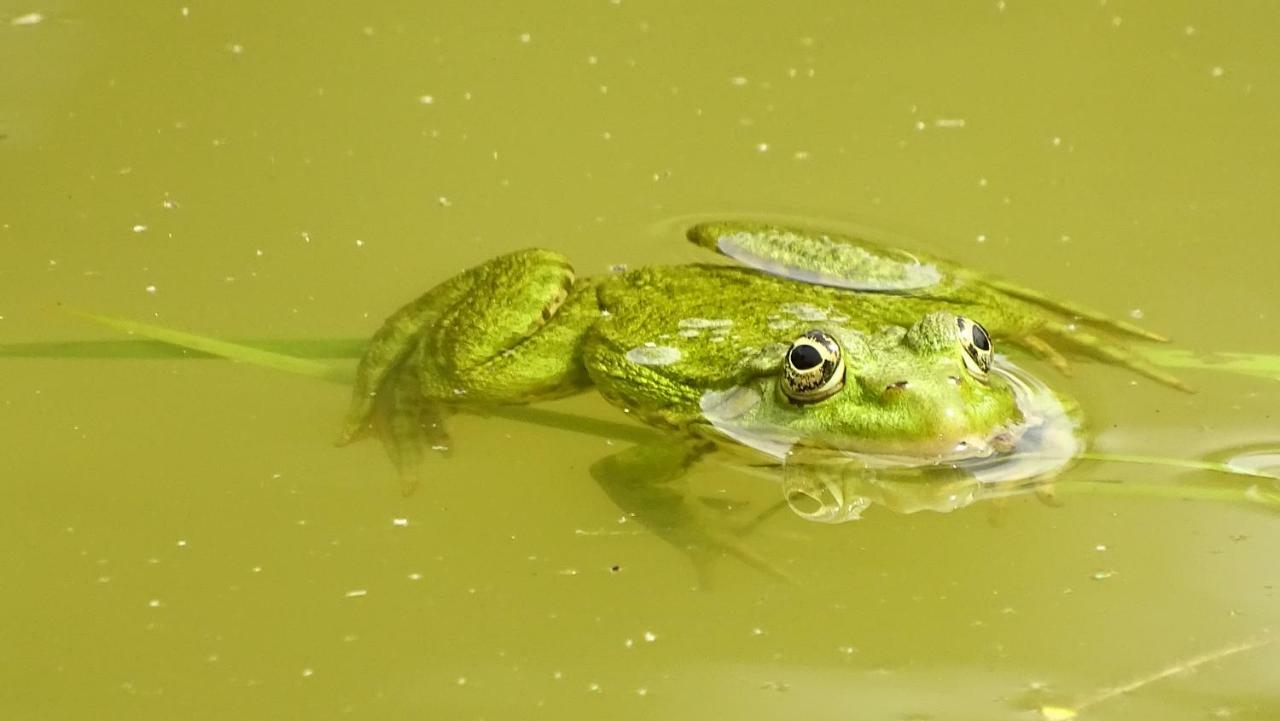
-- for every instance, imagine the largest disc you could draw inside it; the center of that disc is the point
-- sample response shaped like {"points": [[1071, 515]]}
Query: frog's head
{"points": [[927, 391]]}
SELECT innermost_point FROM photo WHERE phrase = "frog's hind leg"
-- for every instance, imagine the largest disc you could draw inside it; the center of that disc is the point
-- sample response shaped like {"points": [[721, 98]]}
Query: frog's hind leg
{"points": [[410, 426], [1093, 346], [461, 323], [506, 332], [1072, 310], [1048, 353]]}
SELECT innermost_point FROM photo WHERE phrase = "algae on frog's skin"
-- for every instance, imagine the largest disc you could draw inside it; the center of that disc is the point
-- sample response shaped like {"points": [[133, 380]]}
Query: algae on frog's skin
{"points": [[805, 312], [650, 354], [717, 329]]}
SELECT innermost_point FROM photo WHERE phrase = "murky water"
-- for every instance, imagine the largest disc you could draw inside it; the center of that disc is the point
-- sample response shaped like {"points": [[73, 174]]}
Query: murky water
{"points": [[182, 540]]}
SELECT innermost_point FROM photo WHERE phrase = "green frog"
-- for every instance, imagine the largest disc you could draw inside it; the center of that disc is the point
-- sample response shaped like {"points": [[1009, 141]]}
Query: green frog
{"points": [[814, 342]]}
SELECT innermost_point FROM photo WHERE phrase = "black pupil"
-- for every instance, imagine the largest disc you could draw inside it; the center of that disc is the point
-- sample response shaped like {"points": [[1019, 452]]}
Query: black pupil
{"points": [[980, 338], [804, 357]]}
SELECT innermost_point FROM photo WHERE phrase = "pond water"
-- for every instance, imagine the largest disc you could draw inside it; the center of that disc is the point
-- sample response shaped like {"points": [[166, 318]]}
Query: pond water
{"points": [[182, 540]]}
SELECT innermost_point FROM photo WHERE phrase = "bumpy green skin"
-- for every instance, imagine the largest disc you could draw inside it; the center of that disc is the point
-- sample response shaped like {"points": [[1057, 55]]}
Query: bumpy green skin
{"points": [[730, 327]]}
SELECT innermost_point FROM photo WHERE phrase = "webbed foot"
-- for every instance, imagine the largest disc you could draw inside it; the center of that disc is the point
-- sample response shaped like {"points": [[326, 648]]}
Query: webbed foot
{"points": [[645, 481]]}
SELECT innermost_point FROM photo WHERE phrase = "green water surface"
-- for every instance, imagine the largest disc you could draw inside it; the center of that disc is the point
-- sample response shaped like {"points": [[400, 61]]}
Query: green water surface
{"points": [[179, 538]]}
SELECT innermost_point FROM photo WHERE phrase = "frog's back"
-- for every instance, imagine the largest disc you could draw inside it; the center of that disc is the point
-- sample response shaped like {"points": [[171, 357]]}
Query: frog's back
{"points": [[695, 328], [716, 304]]}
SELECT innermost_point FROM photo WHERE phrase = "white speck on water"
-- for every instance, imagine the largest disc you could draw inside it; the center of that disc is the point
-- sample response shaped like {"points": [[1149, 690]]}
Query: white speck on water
{"points": [[28, 19], [800, 155], [359, 243], [139, 228], [1136, 314], [426, 99], [757, 631], [186, 11], [557, 675], [182, 543], [1100, 547], [168, 204], [628, 643], [236, 48], [1217, 71], [1102, 575], [593, 687], [356, 593], [919, 125], [154, 603], [1116, 20], [462, 681], [444, 202], [401, 522], [650, 636], [1055, 141], [151, 289], [982, 182], [308, 673], [526, 38], [415, 576], [762, 147], [567, 572], [1189, 30], [949, 123], [642, 691], [259, 252], [982, 238], [653, 355], [738, 81]]}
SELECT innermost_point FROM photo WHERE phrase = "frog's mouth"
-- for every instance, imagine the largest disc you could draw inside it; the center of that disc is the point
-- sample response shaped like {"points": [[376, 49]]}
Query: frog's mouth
{"points": [[1043, 414]]}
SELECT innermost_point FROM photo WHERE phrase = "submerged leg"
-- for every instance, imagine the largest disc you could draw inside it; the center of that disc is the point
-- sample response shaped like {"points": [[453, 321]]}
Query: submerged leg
{"points": [[1070, 309], [1048, 353], [645, 482], [409, 425], [1093, 346]]}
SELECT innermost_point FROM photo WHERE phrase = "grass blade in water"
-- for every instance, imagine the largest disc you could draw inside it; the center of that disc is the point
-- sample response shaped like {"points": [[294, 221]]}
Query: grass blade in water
{"points": [[223, 349]]}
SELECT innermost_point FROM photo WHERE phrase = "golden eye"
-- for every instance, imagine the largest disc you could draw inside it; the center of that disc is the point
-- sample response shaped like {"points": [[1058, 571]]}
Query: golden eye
{"points": [[813, 369], [975, 345]]}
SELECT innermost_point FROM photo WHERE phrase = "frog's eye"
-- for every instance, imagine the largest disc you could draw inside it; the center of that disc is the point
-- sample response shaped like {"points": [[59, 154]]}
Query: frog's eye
{"points": [[813, 369], [975, 345]]}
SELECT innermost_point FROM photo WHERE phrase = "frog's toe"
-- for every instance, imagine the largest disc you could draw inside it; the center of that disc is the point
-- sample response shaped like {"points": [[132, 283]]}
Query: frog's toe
{"points": [[1047, 353], [1091, 345]]}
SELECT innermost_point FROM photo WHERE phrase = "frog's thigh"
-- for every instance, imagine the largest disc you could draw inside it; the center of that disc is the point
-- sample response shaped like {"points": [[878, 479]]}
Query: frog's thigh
{"points": [[545, 362], [509, 299], [473, 315]]}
